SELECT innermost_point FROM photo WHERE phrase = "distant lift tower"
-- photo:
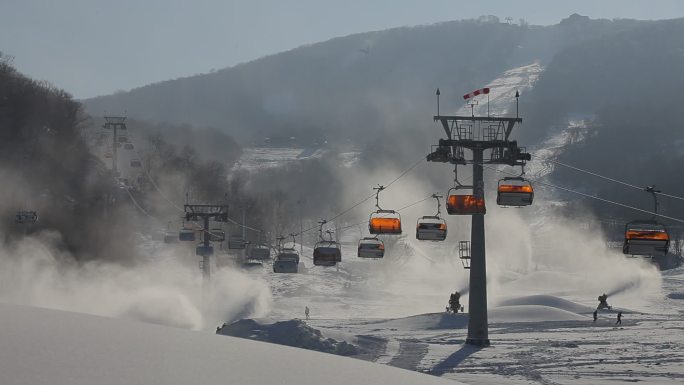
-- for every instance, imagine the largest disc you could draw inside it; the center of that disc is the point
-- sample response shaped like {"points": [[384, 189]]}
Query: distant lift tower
{"points": [[115, 123], [479, 135], [205, 213]]}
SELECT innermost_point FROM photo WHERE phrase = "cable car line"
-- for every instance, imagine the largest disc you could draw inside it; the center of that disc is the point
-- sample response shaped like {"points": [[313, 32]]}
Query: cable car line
{"points": [[135, 202], [604, 177], [149, 177], [403, 208], [590, 196], [406, 171]]}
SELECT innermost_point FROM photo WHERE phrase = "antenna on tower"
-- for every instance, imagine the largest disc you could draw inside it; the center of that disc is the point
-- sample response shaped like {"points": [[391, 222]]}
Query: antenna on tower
{"points": [[437, 93], [517, 98]]}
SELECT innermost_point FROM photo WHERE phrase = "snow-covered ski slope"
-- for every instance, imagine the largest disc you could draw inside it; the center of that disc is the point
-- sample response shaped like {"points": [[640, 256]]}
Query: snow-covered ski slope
{"points": [[544, 276], [502, 91], [541, 324], [51, 347]]}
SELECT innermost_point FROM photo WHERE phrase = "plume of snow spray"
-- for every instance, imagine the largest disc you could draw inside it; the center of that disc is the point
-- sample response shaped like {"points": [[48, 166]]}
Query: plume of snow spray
{"points": [[164, 290]]}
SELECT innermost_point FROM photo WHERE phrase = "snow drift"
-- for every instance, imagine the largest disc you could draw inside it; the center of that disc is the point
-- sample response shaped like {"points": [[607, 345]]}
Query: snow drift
{"points": [[49, 347]]}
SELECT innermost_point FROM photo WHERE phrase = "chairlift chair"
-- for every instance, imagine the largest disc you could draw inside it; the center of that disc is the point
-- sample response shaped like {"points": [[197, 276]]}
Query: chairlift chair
{"points": [[514, 191], [285, 266], [202, 250], [171, 237], [431, 228], [327, 253], [236, 242], [371, 247], [217, 235], [645, 238], [136, 163], [464, 204], [186, 235], [26, 217], [288, 254], [385, 222], [249, 265], [259, 252], [122, 139], [128, 146]]}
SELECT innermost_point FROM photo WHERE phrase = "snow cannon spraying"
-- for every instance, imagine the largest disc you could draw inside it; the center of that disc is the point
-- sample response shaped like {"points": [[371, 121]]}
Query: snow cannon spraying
{"points": [[603, 302], [454, 303]]}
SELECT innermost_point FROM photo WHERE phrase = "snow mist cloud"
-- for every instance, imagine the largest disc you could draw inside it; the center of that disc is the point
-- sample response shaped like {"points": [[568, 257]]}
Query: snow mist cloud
{"points": [[163, 290]]}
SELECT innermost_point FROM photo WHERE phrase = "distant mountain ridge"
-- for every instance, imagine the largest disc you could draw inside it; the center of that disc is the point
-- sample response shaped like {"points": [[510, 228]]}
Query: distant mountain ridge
{"points": [[376, 90], [364, 85]]}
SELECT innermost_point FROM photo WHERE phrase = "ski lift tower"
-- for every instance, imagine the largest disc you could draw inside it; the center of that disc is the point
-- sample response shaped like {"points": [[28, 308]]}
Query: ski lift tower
{"points": [[115, 123], [482, 135], [205, 213]]}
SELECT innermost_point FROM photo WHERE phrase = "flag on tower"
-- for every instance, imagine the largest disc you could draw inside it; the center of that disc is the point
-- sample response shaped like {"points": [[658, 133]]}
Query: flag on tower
{"points": [[481, 91]]}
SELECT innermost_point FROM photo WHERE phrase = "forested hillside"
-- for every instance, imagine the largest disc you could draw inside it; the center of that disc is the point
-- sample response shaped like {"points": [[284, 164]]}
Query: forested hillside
{"points": [[627, 87], [375, 91], [45, 166]]}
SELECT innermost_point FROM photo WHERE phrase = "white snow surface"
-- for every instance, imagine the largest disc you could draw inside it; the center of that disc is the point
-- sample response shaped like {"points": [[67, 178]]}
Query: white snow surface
{"points": [[502, 91], [544, 276], [43, 346], [256, 158]]}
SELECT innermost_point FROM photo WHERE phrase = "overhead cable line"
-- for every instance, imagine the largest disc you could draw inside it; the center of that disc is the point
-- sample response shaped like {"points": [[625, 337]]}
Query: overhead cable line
{"points": [[603, 176], [403, 173], [588, 195], [137, 205]]}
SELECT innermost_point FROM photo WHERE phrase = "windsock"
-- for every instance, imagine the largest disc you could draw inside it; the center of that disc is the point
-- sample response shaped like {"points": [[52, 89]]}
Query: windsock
{"points": [[476, 92]]}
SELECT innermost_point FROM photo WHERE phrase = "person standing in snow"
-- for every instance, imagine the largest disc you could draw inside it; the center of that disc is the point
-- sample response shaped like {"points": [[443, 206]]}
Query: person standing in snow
{"points": [[595, 315], [306, 312], [619, 318]]}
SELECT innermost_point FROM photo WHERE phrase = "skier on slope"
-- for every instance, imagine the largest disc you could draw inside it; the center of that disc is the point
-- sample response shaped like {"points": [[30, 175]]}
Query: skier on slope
{"points": [[595, 315], [619, 318], [306, 312]]}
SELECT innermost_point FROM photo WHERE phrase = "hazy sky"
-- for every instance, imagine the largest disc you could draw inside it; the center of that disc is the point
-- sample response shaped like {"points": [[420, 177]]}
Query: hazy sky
{"points": [[93, 47]]}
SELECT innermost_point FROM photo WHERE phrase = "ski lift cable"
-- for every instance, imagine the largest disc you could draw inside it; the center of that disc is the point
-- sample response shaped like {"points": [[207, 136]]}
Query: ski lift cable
{"points": [[149, 177], [403, 173], [588, 195], [604, 177], [422, 158], [137, 205], [403, 208], [231, 220], [372, 195]]}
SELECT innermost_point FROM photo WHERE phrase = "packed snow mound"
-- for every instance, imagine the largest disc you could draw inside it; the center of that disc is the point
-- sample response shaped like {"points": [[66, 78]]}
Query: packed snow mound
{"points": [[550, 301], [532, 313], [52, 347], [430, 321], [294, 333]]}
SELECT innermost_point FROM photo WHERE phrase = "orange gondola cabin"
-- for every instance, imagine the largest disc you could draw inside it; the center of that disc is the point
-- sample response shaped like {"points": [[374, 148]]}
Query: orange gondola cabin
{"points": [[645, 238], [385, 222], [514, 192], [465, 205]]}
